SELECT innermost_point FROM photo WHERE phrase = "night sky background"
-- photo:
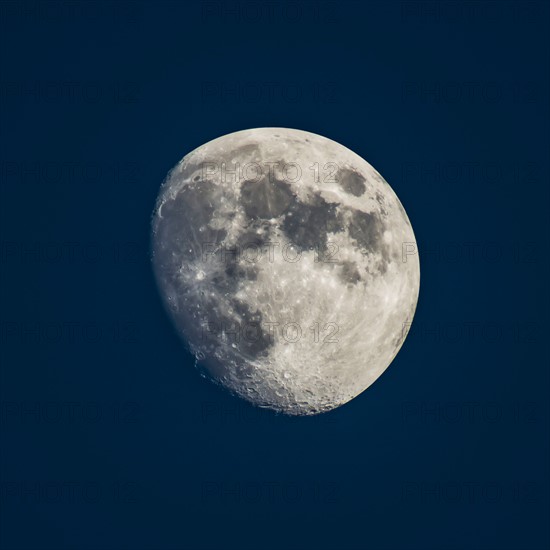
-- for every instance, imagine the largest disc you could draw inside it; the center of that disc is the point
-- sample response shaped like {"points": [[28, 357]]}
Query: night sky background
{"points": [[109, 437]]}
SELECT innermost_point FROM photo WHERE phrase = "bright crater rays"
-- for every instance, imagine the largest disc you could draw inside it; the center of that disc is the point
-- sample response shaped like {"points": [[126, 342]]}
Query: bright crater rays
{"points": [[288, 265]]}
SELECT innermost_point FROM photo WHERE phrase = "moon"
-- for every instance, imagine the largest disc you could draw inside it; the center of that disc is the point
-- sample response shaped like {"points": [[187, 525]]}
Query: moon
{"points": [[288, 265]]}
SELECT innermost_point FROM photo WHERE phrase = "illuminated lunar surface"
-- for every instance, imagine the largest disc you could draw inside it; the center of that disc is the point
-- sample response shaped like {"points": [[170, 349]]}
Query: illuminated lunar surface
{"points": [[284, 260]]}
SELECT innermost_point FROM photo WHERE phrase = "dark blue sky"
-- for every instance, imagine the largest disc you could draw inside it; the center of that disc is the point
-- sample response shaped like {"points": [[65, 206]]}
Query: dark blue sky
{"points": [[110, 439]]}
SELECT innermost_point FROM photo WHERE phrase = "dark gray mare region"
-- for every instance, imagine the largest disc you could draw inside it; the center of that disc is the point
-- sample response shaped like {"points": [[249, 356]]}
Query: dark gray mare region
{"points": [[208, 312]]}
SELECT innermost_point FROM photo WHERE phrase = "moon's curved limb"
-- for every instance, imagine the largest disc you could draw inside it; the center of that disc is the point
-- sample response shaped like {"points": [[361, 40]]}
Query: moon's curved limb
{"points": [[280, 256]]}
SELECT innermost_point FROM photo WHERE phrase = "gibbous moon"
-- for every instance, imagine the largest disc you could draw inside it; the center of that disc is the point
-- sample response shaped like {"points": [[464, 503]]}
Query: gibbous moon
{"points": [[288, 265]]}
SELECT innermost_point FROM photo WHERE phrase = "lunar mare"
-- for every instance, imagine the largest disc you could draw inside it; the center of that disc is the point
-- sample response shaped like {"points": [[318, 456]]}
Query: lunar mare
{"points": [[284, 261]]}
